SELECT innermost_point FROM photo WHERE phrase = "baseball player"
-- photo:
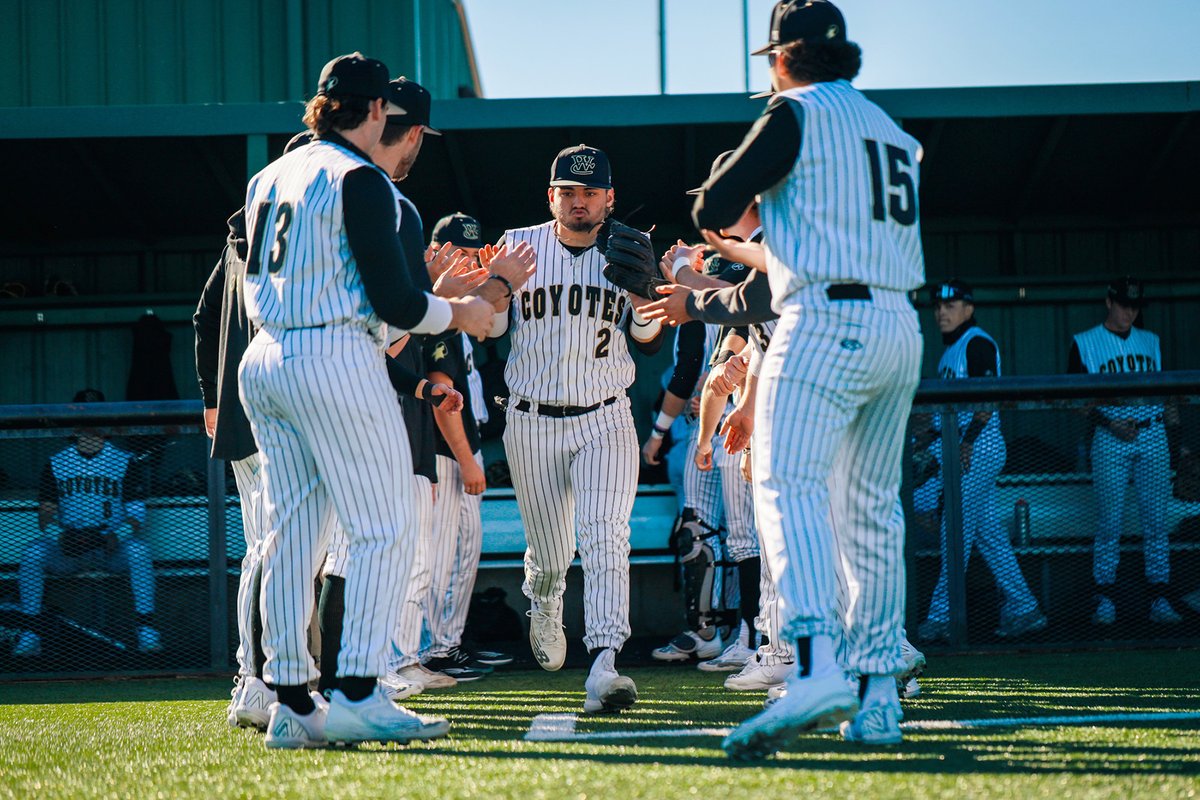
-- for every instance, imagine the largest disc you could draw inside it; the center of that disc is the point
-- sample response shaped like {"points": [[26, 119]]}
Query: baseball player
{"points": [[570, 439], [87, 494], [324, 271], [837, 183], [972, 353], [222, 335], [1128, 441], [458, 525]]}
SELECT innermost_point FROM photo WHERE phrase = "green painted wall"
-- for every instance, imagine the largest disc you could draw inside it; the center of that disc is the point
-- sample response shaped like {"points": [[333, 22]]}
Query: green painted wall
{"points": [[136, 52]]}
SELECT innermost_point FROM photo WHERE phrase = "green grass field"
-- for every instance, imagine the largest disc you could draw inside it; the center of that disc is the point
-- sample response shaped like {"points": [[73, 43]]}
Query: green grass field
{"points": [[169, 739]]}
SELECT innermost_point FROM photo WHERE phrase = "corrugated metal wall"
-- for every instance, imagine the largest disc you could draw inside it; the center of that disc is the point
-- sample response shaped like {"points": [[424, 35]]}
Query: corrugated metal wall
{"points": [[135, 52]]}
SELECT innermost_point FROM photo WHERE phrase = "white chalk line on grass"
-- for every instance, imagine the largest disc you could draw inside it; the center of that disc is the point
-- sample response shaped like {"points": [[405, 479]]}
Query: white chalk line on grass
{"points": [[561, 727]]}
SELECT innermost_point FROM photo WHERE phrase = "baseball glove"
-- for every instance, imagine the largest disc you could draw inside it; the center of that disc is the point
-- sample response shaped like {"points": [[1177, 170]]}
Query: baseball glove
{"points": [[631, 262]]}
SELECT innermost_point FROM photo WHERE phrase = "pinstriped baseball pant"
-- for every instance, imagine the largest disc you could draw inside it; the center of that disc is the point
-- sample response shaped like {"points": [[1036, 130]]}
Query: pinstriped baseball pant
{"points": [[332, 443], [836, 389], [247, 472], [454, 556], [575, 480]]}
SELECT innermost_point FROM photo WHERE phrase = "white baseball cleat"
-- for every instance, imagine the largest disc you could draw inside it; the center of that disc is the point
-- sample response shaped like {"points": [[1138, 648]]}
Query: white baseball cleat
{"points": [[876, 725], [29, 645], [234, 697], [397, 687], [756, 676], [254, 702], [910, 690], [914, 665], [288, 730], [546, 636], [687, 645], [607, 691], [732, 659], [808, 704], [377, 719], [774, 694]]}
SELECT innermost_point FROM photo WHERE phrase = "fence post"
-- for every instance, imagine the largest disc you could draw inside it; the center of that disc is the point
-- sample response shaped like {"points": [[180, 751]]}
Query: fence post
{"points": [[218, 579], [956, 573]]}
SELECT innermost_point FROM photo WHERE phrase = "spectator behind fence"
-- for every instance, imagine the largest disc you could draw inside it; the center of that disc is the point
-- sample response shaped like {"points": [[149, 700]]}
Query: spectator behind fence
{"points": [[972, 353], [87, 493], [1128, 440]]}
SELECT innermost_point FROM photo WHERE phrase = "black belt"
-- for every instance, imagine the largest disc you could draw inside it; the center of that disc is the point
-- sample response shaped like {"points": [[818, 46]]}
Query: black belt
{"points": [[562, 411], [1146, 423], [847, 291]]}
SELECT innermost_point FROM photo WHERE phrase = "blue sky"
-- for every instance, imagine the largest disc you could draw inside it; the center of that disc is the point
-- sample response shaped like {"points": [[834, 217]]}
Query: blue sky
{"points": [[549, 48]]}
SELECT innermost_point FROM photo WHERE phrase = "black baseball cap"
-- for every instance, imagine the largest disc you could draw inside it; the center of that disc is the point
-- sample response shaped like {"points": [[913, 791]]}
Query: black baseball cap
{"points": [[459, 230], [810, 20], [414, 101], [716, 165], [725, 270], [88, 396], [581, 166], [354, 75], [953, 289], [1128, 291]]}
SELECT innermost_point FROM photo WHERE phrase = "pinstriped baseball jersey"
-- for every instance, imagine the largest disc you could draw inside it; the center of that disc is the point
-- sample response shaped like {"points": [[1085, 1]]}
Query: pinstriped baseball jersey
{"points": [[300, 272], [847, 212], [91, 492], [1104, 352], [567, 344], [953, 364]]}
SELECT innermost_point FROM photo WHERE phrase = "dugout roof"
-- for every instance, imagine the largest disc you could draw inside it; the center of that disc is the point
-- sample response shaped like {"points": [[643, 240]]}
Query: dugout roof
{"points": [[1101, 156]]}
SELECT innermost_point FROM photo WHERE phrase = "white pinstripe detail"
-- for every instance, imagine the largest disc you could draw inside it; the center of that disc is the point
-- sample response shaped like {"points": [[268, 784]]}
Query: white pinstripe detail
{"points": [[454, 556], [312, 396], [247, 473]]}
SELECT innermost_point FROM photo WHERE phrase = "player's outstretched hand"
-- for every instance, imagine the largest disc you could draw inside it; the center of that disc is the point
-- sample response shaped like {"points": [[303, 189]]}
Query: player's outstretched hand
{"points": [[486, 254], [752, 254], [704, 461], [726, 377], [445, 398], [472, 315], [440, 258], [474, 481], [736, 429], [692, 255], [460, 280], [650, 450], [671, 309], [515, 265]]}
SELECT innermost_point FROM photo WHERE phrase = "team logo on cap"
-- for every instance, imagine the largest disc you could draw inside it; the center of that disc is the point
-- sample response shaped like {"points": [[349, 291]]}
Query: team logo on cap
{"points": [[831, 32], [331, 82], [583, 165], [1133, 291], [470, 230]]}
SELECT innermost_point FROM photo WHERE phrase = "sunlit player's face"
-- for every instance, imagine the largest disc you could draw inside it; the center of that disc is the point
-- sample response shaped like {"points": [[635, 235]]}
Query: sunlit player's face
{"points": [[579, 208]]}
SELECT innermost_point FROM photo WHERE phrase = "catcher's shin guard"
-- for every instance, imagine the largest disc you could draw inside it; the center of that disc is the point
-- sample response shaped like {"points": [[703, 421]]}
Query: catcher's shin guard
{"points": [[698, 546]]}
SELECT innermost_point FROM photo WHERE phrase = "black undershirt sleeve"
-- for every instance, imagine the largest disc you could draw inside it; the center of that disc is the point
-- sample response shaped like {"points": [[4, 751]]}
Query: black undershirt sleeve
{"points": [[747, 302], [689, 360], [981, 358], [1075, 360], [403, 380], [764, 157], [368, 208]]}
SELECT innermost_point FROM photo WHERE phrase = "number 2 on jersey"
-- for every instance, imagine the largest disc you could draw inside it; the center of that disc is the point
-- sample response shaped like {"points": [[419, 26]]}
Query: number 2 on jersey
{"points": [[899, 198], [283, 221], [603, 337]]}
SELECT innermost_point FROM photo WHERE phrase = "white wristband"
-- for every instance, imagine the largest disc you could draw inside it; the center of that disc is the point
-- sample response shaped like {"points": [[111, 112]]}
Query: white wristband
{"points": [[664, 421], [681, 263]]}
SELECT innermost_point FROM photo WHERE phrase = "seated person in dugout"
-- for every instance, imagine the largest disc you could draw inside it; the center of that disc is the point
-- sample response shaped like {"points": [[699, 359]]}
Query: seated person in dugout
{"points": [[87, 494]]}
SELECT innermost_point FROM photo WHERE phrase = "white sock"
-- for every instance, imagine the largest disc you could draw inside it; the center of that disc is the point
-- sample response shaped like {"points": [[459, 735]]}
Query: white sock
{"points": [[881, 690]]}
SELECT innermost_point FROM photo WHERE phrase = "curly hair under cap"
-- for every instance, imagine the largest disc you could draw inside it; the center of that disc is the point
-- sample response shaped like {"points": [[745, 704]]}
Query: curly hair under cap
{"points": [[323, 113], [822, 61]]}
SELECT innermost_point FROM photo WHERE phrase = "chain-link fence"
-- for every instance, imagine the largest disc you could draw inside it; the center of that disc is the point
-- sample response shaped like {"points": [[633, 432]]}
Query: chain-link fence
{"points": [[112, 558], [1054, 512], [1078, 499]]}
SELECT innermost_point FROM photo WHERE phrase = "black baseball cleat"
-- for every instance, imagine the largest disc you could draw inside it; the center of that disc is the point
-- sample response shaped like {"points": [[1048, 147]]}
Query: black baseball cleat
{"points": [[492, 658]]}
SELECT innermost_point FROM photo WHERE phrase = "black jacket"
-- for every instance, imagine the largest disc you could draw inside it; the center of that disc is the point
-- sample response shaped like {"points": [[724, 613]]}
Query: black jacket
{"points": [[222, 334]]}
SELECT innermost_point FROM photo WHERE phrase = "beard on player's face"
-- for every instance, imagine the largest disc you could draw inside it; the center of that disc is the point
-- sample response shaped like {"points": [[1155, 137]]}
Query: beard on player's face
{"points": [[580, 209]]}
